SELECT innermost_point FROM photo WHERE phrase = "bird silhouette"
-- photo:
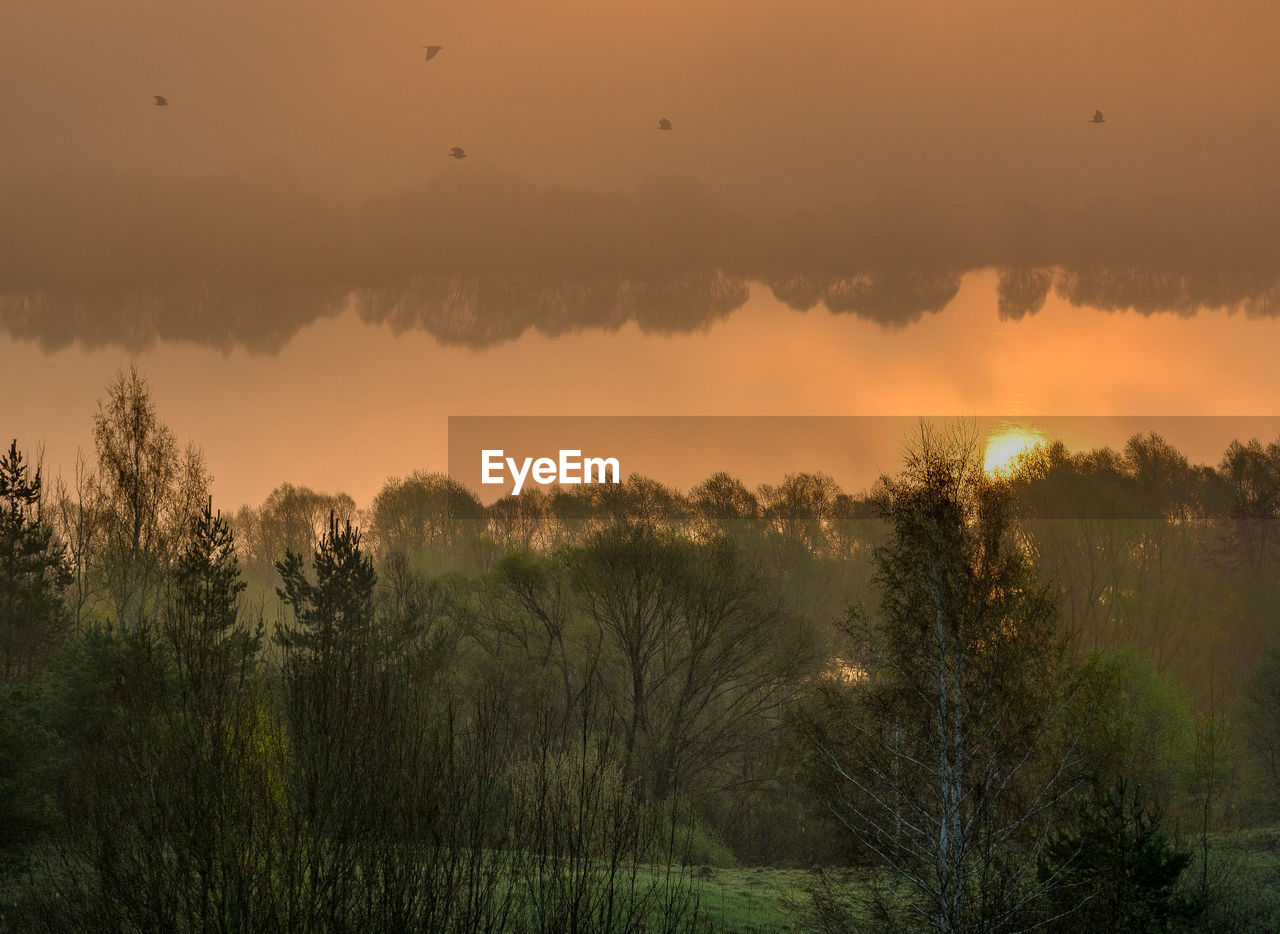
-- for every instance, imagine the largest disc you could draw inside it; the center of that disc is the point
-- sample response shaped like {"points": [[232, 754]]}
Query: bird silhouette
{"points": [[457, 152], [1097, 117], [664, 124], [432, 51], [160, 101]]}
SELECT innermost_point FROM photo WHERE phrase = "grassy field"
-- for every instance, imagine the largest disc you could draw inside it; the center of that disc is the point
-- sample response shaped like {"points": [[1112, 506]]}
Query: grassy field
{"points": [[1243, 881], [752, 901]]}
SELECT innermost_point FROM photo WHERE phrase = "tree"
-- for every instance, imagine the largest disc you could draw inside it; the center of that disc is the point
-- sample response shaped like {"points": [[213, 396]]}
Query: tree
{"points": [[1262, 722], [422, 512], [1165, 482], [145, 493], [935, 753], [211, 648], [721, 505], [1253, 473], [527, 622], [34, 620], [334, 615], [801, 509], [1134, 725], [78, 524], [28, 752], [697, 646], [34, 573], [174, 787], [219, 774], [292, 518], [1116, 870], [522, 522], [328, 679]]}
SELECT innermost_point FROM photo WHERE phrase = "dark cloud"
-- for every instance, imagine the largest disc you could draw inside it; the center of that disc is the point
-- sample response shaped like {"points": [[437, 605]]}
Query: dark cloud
{"points": [[857, 156], [249, 260]]}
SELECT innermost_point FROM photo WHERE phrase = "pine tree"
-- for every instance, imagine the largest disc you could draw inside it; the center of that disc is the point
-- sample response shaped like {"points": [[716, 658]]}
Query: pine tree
{"points": [[210, 646], [1116, 868], [33, 573], [33, 621], [328, 681], [334, 615]]}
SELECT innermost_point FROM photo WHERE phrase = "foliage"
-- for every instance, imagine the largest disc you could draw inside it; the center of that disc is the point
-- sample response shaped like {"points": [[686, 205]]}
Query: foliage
{"points": [[576, 709], [28, 752], [144, 495], [1115, 870], [335, 613], [33, 574], [1137, 725], [935, 755]]}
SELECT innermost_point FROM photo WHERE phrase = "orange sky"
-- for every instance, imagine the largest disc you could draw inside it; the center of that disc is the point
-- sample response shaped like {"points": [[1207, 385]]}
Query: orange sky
{"points": [[345, 405], [877, 158], [773, 102]]}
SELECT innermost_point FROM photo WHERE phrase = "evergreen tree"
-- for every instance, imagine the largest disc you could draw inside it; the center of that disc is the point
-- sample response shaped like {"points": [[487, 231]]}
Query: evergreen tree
{"points": [[1115, 869], [330, 687], [334, 615], [33, 573], [210, 646]]}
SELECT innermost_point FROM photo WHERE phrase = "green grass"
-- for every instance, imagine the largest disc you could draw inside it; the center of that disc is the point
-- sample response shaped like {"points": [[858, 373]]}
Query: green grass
{"points": [[1244, 877], [752, 901], [1244, 882]]}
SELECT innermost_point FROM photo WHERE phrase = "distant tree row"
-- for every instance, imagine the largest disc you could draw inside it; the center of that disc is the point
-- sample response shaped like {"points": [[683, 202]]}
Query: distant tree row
{"points": [[1148, 479]]}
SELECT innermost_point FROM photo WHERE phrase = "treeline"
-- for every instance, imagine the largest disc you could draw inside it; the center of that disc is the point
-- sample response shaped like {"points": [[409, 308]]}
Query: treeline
{"points": [[1148, 550], [431, 512], [1033, 698]]}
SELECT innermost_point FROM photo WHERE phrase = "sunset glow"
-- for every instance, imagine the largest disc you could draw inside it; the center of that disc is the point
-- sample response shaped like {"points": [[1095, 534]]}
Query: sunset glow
{"points": [[1003, 448]]}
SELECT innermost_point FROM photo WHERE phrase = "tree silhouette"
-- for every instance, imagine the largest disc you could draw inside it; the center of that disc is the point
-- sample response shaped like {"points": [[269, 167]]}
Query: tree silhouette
{"points": [[934, 751], [334, 615], [145, 493], [33, 573]]}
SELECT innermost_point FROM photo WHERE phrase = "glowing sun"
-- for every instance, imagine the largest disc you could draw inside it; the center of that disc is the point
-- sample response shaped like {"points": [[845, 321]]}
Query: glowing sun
{"points": [[1004, 446]]}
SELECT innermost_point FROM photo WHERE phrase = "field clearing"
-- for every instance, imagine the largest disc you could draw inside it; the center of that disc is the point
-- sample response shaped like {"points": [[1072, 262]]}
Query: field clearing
{"points": [[1243, 879], [752, 901]]}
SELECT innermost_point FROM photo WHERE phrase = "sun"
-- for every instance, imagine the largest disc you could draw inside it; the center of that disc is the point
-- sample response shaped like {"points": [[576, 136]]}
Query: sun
{"points": [[1004, 446]]}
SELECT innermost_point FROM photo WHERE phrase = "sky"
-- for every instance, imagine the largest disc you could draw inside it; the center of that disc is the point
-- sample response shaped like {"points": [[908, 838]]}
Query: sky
{"points": [[862, 209], [773, 103]]}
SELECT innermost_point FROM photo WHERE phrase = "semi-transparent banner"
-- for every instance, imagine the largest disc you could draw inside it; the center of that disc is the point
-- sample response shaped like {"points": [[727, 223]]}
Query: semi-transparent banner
{"points": [[497, 456]]}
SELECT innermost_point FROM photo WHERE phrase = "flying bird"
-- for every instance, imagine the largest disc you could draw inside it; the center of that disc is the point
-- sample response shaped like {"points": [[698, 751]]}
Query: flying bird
{"points": [[432, 51], [664, 124], [160, 101], [1097, 117], [457, 152]]}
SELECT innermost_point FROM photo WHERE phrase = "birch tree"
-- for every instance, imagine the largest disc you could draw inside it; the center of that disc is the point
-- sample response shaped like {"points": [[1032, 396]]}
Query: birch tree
{"points": [[144, 497], [937, 747]]}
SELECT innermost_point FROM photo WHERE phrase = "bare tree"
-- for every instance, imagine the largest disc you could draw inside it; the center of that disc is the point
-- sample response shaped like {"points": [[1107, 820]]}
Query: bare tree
{"points": [[697, 645], [78, 524]]}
